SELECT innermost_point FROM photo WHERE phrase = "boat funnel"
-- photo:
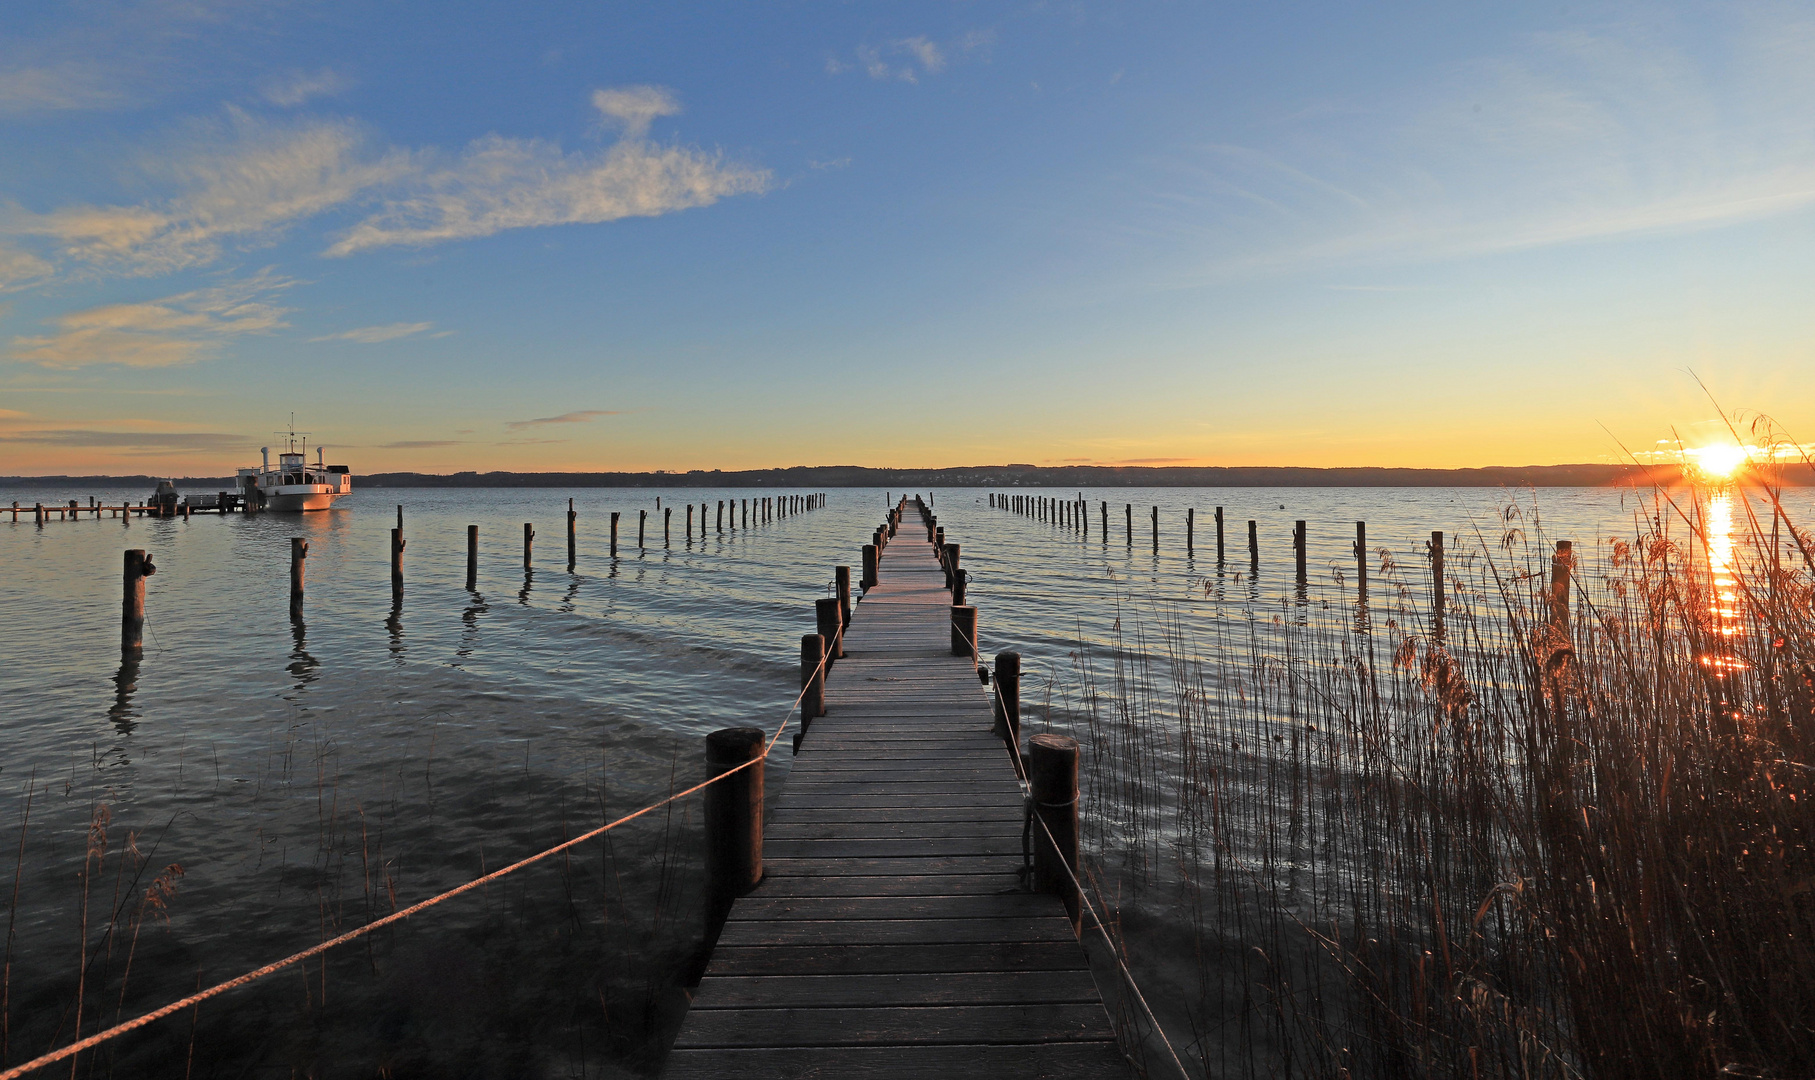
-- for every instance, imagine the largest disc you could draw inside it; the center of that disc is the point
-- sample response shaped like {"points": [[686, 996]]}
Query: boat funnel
{"points": [[265, 452]]}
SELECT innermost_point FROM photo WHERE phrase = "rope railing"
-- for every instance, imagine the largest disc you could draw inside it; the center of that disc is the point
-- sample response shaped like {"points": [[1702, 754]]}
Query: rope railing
{"points": [[1083, 894], [152, 1017]]}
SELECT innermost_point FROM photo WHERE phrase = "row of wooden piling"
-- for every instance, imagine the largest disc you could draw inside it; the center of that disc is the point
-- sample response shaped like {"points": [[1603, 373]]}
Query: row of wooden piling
{"points": [[42, 514]]}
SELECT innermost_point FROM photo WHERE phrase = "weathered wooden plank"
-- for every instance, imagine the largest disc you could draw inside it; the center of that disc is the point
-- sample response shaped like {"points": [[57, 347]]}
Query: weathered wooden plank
{"points": [[914, 847], [759, 908], [899, 931], [886, 959], [926, 1025], [965, 988], [1053, 1061]]}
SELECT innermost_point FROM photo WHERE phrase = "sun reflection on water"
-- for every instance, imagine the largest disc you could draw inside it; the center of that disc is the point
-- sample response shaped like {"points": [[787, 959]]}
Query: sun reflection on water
{"points": [[1723, 606]]}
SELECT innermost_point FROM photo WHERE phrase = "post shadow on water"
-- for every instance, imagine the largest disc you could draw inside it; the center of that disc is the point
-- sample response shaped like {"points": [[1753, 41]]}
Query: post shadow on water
{"points": [[470, 616], [529, 580], [302, 664], [125, 686], [393, 622]]}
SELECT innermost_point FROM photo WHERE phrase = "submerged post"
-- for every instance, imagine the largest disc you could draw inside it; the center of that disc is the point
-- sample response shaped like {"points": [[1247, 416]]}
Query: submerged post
{"points": [[614, 534], [299, 550], [138, 567], [812, 677], [529, 545], [964, 631], [734, 820], [472, 557], [571, 545], [1052, 779]]}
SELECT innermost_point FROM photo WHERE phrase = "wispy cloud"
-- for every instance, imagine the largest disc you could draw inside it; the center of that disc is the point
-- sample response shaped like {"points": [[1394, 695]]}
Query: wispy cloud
{"points": [[57, 87], [419, 444], [582, 417], [372, 335], [835, 163], [175, 330], [242, 181], [19, 268], [155, 442], [910, 59], [297, 87]]}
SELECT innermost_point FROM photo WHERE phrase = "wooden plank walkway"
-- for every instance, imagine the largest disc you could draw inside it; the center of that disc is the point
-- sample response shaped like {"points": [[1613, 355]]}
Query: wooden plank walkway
{"points": [[889, 936]]}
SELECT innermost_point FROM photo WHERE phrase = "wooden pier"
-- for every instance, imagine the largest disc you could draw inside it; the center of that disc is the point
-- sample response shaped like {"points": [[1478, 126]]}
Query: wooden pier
{"points": [[892, 933]]}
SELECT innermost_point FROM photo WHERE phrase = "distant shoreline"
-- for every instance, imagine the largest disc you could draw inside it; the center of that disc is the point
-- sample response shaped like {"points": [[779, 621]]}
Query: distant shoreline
{"points": [[982, 476]]}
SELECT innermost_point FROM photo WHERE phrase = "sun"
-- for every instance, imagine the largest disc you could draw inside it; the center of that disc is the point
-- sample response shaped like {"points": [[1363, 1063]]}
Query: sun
{"points": [[1719, 460]]}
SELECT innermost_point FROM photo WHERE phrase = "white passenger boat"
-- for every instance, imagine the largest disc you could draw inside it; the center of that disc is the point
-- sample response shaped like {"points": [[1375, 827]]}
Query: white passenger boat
{"points": [[293, 483]]}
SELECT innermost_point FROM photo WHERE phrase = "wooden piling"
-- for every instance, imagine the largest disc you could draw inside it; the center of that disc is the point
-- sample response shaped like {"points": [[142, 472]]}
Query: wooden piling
{"points": [[400, 512], [1190, 529], [1052, 778], [1008, 701], [841, 578], [690, 523], [1298, 548], [1361, 555], [1437, 589], [721, 515], [572, 540], [1253, 542], [964, 630], [397, 543], [1156, 529], [529, 545], [667, 517], [812, 677], [1560, 565], [830, 627], [734, 820], [472, 557], [138, 567], [614, 534], [1128, 511], [1105, 522], [299, 550], [1219, 535], [642, 523]]}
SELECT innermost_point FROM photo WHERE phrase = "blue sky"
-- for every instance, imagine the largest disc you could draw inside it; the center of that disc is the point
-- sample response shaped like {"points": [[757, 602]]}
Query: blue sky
{"points": [[663, 236]]}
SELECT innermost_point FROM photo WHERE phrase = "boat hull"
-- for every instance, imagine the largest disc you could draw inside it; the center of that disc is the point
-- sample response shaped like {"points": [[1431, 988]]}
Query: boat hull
{"points": [[282, 502]]}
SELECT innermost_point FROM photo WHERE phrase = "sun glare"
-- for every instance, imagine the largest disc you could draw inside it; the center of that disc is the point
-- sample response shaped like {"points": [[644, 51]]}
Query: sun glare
{"points": [[1719, 460]]}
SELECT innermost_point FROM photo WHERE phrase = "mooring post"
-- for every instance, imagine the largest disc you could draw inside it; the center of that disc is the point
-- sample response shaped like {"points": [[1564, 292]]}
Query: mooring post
{"points": [[1560, 565], [958, 581], [841, 577], [734, 820], [138, 567], [667, 517], [642, 521], [1253, 542], [1052, 780], [299, 550], [472, 557], [868, 581], [1437, 589], [38, 510], [964, 631], [826, 615], [1105, 522], [951, 566], [1298, 548], [396, 557], [812, 677], [1008, 702], [572, 545], [1128, 510], [400, 515], [690, 523], [1361, 555], [1219, 535], [614, 534], [721, 515], [1190, 529], [1156, 528], [529, 544]]}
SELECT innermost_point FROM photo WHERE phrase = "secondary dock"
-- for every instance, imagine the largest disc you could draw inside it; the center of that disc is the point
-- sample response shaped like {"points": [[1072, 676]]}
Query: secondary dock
{"points": [[892, 934]]}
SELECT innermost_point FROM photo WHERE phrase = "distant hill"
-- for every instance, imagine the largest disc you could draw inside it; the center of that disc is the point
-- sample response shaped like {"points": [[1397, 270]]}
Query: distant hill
{"points": [[833, 476]]}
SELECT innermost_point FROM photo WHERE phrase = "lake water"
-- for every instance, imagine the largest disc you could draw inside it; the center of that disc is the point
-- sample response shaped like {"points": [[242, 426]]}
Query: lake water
{"points": [[309, 774]]}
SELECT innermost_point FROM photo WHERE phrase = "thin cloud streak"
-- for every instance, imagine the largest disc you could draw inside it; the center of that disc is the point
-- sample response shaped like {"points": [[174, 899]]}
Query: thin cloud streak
{"points": [[168, 332], [373, 335], [584, 416]]}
